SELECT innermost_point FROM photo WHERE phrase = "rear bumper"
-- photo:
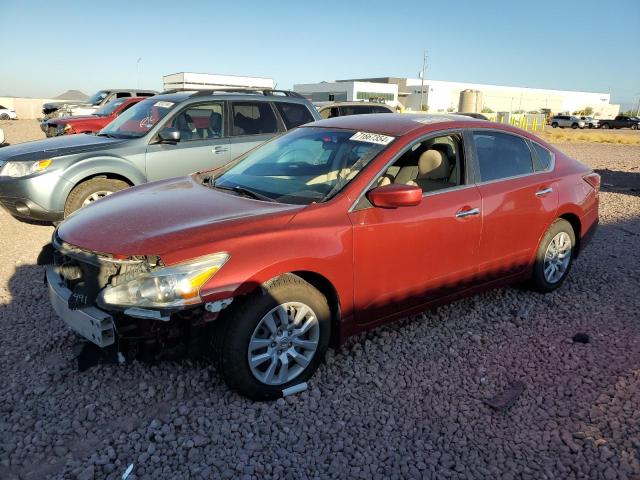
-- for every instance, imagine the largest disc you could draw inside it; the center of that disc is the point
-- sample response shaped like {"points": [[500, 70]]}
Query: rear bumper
{"points": [[92, 323]]}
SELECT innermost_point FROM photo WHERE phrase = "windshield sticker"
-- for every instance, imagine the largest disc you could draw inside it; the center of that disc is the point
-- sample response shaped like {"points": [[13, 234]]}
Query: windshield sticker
{"points": [[372, 138], [163, 104]]}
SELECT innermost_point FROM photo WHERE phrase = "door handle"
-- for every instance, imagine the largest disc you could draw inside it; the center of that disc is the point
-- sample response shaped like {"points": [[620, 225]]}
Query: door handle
{"points": [[544, 192], [467, 213], [220, 149]]}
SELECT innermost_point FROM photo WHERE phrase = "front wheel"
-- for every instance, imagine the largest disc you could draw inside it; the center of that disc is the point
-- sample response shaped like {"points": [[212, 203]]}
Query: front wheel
{"points": [[605, 126], [554, 124], [4, 116], [554, 257], [574, 125], [634, 127], [91, 191], [274, 339]]}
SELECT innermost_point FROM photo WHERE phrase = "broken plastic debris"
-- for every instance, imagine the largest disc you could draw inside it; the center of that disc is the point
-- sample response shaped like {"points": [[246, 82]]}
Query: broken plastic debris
{"points": [[292, 390], [506, 399], [127, 472]]}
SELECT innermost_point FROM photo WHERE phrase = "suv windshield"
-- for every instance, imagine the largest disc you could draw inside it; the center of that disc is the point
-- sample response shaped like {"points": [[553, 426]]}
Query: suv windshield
{"points": [[138, 120], [97, 98], [109, 108], [304, 166]]}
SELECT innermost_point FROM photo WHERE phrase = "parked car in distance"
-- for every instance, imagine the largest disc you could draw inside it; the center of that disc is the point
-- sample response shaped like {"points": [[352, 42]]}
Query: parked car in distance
{"points": [[621, 121], [340, 109], [159, 137], [563, 121], [590, 122], [327, 231], [478, 116], [97, 100], [7, 113], [1, 138], [55, 127]]}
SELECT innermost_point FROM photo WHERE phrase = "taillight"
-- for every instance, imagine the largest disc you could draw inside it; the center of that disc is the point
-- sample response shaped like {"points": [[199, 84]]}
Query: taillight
{"points": [[593, 179]]}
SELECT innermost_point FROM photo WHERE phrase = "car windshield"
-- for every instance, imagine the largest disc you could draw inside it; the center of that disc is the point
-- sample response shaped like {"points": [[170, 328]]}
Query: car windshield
{"points": [[110, 107], [97, 98], [304, 166], [138, 120]]}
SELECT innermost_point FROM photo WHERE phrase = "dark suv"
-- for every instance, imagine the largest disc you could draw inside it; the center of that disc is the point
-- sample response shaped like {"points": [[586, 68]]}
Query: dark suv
{"points": [[173, 134]]}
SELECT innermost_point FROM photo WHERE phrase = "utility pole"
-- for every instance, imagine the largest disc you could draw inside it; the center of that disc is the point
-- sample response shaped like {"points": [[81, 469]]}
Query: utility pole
{"points": [[424, 66], [138, 69], [638, 109]]}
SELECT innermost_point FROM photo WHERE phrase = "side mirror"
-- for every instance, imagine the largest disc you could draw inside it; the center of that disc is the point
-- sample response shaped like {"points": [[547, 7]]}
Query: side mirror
{"points": [[395, 195], [169, 135]]}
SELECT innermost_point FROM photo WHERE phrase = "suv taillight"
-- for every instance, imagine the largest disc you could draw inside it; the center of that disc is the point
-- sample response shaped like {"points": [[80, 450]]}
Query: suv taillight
{"points": [[593, 179]]}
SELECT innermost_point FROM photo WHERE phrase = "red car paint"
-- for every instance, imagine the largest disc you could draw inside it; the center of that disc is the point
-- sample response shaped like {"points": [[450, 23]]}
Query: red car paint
{"points": [[379, 264], [92, 123]]}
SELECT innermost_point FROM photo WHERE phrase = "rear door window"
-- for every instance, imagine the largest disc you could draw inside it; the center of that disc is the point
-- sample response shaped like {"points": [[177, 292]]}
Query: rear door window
{"points": [[294, 114], [253, 118], [501, 155], [544, 157]]}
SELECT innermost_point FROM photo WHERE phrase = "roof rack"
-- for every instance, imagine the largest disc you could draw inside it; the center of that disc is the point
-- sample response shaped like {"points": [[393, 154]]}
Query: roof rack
{"points": [[254, 91]]}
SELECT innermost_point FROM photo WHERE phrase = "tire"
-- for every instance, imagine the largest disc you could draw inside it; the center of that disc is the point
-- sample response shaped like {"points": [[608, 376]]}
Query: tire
{"points": [[634, 127], [4, 116], [554, 124], [605, 126], [574, 125], [246, 321], [98, 187], [541, 282]]}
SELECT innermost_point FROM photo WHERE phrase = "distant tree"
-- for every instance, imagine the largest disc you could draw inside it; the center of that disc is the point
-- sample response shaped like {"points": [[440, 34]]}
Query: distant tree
{"points": [[585, 112], [450, 109], [487, 110], [518, 111], [533, 111]]}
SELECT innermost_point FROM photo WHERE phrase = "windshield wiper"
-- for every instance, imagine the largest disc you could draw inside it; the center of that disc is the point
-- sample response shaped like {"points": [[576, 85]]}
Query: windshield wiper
{"points": [[244, 191]]}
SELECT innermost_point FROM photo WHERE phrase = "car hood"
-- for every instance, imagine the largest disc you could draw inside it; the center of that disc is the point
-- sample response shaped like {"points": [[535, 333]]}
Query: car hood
{"points": [[163, 218], [75, 118], [56, 147]]}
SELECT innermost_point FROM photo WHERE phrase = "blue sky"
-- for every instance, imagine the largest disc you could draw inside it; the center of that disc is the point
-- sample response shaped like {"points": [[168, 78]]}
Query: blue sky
{"points": [[50, 47]]}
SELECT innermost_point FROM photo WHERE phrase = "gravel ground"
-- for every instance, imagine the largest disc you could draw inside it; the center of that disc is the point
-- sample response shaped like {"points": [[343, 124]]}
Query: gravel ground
{"points": [[404, 401], [18, 131]]}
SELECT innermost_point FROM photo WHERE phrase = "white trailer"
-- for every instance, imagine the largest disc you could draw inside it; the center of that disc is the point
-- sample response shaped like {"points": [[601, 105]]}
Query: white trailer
{"points": [[207, 81]]}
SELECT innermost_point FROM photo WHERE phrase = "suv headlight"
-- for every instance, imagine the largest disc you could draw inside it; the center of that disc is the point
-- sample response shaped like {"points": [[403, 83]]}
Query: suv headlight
{"points": [[166, 287], [22, 169]]}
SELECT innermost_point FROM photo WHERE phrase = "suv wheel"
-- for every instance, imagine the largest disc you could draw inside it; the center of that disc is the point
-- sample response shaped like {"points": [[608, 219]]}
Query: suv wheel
{"points": [[554, 124], [274, 339], [634, 127], [574, 125], [4, 116], [554, 257], [91, 191]]}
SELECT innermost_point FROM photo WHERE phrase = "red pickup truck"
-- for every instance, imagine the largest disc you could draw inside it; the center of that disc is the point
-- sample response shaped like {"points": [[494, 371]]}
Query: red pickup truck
{"points": [[88, 123]]}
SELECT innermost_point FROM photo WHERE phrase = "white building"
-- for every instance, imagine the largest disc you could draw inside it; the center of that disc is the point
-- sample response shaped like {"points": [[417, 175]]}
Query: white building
{"points": [[442, 96], [349, 91], [207, 81]]}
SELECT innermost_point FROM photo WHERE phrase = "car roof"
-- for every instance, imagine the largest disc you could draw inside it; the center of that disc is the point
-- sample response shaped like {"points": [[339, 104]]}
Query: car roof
{"points": [[395, 124], [233, 94]]}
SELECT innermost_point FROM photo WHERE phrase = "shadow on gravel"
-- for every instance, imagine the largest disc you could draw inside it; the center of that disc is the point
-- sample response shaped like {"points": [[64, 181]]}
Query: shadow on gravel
{"points": [[52, 417], [620, 182]]}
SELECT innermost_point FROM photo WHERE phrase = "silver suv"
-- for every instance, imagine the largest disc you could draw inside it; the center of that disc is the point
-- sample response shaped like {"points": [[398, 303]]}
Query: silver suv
{"points": [[563, 121], [168, 135]]}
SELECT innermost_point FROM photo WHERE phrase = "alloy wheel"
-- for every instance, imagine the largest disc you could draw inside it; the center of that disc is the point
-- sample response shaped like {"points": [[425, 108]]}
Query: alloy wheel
{"points": [[283, 343], [557, 257], [94, 197]]}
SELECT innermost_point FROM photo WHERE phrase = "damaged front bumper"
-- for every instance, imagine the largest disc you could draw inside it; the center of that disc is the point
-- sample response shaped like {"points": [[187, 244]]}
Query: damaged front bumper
{"points": [[92, 323]]}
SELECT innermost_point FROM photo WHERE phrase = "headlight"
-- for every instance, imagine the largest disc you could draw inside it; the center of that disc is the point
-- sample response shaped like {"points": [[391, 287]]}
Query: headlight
{"points": [[67, 128], [167, 287], [21, 169]]}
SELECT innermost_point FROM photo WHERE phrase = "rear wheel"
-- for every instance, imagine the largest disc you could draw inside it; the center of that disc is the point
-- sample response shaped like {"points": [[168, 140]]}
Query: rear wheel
{"points": [[274, 339], [605, 126], [574, 125], [91, 191], [554, 124], [4, 116], [554, 256], [634, 127]]}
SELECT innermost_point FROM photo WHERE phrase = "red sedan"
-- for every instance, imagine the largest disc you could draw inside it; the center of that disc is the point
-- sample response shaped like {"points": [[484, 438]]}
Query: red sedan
{"points": [[329, 230], [89, 123]]}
